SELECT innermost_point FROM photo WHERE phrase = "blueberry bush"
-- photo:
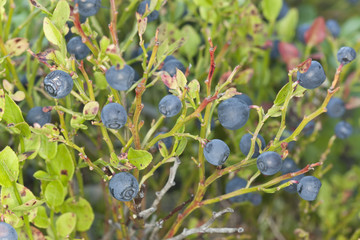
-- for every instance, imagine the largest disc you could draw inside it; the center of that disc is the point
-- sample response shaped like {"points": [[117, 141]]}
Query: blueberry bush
{"points": [[158, 119]]}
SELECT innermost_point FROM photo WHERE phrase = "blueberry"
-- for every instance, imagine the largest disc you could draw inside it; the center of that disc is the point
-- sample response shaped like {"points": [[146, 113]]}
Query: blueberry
{"points": [[142, 8], [58, 84], [283, 11], [274, 53], [170, 67], [309, 128], [288, 166], [120, 79], [170, 105], [88, 8], [343, 130], [37, 115], [78, 48], [269, 163], [335, 107], [172, 58], [216, 152], [123, 186], [313, 77], [301, 30], [7, 232], [235, 184], [308, 188], [245, 98], [345, 55], [255, 198], [333, 27], [113, 116], [245, 144], [293, 187], [233, 113], [167, 141]]}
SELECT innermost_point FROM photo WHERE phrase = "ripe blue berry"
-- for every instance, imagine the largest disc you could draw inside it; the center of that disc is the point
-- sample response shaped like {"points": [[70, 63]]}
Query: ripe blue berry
{"points": [[78, 48], [113, 116], [274, 53], [235, 184], [37, 115], [245, 98], [233, 113], [216, 152], [343, 130], [255, 198], [58, 84], [333, 27], [88, 8], [335, 108], [309, 128], [288, 166], [123, 186], [269, 163], [170, 105], [120, 79], [293, 187], [301, 30], [7, 232], [170, 67], [167, 141], [314, 76], [142, 8], [308, 188], [345, 55], [283, 11], [245, 144]]}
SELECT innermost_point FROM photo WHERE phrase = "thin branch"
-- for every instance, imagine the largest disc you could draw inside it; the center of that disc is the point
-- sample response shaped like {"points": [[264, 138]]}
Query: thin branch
{"points": [[205, 228], [159, 195]]}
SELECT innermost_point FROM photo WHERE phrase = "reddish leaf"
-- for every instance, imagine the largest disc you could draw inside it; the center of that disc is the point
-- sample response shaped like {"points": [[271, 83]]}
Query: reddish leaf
{"points": [[289, 54], [304, 66], [317, 32]]}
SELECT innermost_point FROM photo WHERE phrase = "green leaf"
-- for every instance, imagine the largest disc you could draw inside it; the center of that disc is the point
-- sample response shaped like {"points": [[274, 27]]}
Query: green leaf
{"points": [[32, 144], [100, 80], [163, 149], [274, 111], [90, 110], [48, 149], [2, 103], [44, 176], [192, 43], [54, 194], [181, 79], [299, 92], [139, 158], [83, 211], [280, 97], [77, 121], [16, 46], [53, 34], [13, 115], [229, 93], [104, 43], [62, 164], [271, 9], [65, 224], [29, 205], [194, 88], [181, 146], [61, 14], [9, 167], [49, 130], [286, 27], [9, 199], [12, 219], [2, 3], [36, 4], [41, 220]]}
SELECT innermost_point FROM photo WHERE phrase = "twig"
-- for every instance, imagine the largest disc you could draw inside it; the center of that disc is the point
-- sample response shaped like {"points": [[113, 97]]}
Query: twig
{"points": [[205, 228], [159, 195]]}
